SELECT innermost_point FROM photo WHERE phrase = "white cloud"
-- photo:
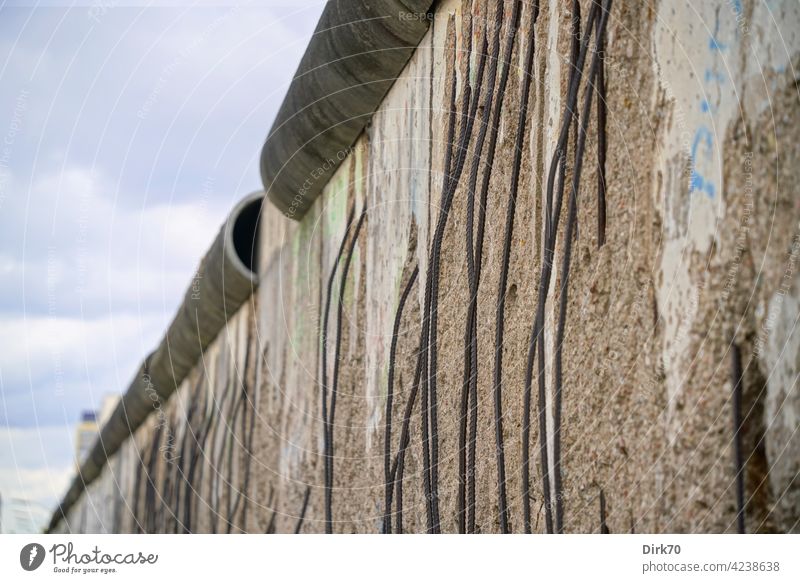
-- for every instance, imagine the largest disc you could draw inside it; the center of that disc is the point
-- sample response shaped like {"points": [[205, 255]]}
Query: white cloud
{"points": [[53, 443], [30, 345], [68, 248]]}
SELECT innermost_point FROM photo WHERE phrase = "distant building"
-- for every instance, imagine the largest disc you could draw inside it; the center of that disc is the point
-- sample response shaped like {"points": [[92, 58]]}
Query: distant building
{"points": [[85, 435]]}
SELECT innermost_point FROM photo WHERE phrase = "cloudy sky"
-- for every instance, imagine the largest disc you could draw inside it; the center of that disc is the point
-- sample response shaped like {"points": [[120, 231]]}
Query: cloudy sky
{"points": [[127, 132]]}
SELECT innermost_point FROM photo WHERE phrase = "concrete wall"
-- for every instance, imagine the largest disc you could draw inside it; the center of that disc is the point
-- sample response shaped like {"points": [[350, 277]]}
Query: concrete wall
{"points": [[700, 260]]}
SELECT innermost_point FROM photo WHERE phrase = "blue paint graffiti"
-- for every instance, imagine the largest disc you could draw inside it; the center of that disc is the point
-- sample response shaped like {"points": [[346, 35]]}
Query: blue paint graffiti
{"points": [[711, 75], [697, 181], [703, 142]]}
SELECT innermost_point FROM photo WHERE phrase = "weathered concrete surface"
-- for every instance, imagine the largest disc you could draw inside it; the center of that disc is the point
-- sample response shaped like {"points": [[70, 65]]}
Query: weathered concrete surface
{"points": [[701, 251]]}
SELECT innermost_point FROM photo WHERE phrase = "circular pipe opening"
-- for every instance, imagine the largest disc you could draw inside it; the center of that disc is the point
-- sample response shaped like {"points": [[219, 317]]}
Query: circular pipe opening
{"points": [[244, 232]]}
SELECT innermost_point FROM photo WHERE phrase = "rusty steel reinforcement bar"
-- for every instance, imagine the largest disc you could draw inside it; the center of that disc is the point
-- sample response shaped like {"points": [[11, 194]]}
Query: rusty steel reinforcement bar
{"points": [[355, 55], [225, 279]]}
